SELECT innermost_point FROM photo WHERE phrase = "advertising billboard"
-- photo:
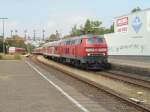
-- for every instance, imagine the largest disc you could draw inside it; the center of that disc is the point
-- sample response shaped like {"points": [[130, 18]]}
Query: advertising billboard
{"points": [[122, 25]]}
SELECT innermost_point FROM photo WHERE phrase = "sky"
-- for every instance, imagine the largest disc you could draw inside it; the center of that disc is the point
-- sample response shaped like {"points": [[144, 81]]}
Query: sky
{"points": [[61, 15]]}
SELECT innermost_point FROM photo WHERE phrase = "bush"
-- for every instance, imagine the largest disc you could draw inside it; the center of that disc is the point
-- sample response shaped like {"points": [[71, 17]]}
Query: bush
{"points": [[1, 57], [17, 57]]}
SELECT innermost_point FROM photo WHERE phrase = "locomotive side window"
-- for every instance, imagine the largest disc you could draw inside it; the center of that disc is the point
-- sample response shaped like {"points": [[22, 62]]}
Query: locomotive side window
{"points": [[72, 42]]}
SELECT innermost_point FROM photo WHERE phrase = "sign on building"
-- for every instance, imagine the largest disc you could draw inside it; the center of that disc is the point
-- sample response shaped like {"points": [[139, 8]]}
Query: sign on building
{"points": [[132, 34], [122, 25]]}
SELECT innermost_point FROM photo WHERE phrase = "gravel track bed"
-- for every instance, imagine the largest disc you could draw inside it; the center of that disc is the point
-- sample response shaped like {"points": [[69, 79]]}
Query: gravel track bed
{"points": [[111, 103], [126, 89]]}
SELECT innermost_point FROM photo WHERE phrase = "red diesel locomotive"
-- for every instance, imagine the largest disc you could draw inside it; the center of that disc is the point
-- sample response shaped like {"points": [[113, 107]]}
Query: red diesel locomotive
{"points": [[88, 51]]}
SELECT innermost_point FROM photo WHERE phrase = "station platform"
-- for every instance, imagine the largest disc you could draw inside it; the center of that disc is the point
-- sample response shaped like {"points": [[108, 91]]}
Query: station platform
{"points": [[133, 64]]}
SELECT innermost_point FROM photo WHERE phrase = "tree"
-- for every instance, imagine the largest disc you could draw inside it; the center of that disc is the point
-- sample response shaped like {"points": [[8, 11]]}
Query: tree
{"points": [[54, 37], [136, 9], [87, 27], [93, 27], [57, 34], [90, 27], [1, 43], [75, 31], [30, 47], [111, 28], [16, 41]]}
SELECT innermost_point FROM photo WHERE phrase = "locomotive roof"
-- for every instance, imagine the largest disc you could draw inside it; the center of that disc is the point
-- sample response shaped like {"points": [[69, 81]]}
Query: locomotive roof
{"points": [[83, 36], [73, 38]]}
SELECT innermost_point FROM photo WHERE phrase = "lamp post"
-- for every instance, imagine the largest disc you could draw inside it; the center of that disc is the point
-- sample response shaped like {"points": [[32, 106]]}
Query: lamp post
{"points": [[25, 35], [11, 33], [34, 35], [16, 31], [43, 34], [3, 20]]}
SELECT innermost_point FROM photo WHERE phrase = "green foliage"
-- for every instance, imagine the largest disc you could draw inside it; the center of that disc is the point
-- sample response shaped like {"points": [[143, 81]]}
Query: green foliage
{"points": [[54, 37], [1, 57], [75, 31], [17, 57], [10, 57], [90, 27], [30, 47], [16, 41], [93, 27], [1, 43], [136, 9]]}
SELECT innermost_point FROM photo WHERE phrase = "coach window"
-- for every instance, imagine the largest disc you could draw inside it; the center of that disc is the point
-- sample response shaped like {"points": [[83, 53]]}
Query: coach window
{"points": [[80, 41], [68, 42], [73, 42], [56, 48], [76, 41]]}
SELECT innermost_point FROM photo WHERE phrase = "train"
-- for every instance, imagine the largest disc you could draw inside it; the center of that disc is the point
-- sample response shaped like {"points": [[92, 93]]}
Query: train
{"points": [[16, 50], [85, 51]]}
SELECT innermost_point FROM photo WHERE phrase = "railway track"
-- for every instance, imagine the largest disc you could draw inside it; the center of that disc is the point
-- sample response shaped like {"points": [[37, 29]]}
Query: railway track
{"points": [[125, 99], [126, 78]]}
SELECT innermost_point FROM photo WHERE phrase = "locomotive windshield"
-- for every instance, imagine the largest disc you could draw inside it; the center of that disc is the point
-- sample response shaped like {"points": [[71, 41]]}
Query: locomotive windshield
{"points": [[95, 40]]}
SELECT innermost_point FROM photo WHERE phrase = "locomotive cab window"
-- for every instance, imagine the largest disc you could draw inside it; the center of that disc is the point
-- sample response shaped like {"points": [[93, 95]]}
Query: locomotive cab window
{"points": [[95, 40], [90, 41], [99, 40]]}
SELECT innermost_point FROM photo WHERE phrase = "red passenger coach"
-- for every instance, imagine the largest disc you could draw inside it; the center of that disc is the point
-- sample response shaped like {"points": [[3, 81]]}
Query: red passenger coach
{"points": [[51, 50], [88, 51], [16, 50], [38, 51]]}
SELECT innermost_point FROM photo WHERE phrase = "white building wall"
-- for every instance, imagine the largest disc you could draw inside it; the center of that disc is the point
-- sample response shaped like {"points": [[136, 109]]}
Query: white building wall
{"points": [[132, 35]]}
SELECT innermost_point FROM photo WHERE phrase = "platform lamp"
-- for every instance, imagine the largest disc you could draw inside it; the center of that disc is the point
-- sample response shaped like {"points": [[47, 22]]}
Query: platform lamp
{"points": [[34, 35], [11, 33], [3, 22], [16, 31], [25, 35], [43, 34]]}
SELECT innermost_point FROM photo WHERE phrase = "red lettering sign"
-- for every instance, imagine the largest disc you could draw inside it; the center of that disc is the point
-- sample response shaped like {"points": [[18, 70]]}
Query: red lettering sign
{"points": [[122, 21]]}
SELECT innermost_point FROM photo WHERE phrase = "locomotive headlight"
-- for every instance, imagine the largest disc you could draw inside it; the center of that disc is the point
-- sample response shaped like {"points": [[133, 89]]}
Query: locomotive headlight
{"points": [[88, 54], [102, 49], [89, 49]]}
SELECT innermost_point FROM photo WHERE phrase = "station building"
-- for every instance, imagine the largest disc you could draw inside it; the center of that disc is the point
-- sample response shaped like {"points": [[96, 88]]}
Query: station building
{"points": [[131, 34]]}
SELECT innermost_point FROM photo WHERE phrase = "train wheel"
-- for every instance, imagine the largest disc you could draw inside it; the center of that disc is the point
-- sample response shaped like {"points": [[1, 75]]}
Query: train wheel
{"points": [[77, 63], [107, 66]]}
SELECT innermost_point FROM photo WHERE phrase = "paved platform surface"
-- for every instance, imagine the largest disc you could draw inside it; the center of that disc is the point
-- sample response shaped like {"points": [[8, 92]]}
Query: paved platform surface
{"points": [[23, 90], [137, 61]]}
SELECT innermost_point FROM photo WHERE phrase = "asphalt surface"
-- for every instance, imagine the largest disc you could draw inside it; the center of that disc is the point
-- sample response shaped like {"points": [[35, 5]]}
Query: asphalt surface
{"points": [[143, 59], [139, 61], [22, 89], [27, 87]]}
